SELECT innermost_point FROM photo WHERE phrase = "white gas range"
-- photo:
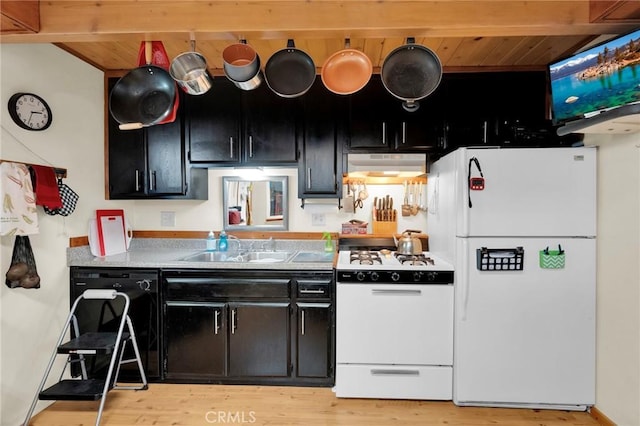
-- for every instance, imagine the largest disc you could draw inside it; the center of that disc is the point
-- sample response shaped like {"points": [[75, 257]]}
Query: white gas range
{"points": [[394, 325]]}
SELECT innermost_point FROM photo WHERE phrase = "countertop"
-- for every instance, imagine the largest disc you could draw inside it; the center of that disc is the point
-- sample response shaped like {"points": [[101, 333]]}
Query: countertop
{"points": [[166, 253]]}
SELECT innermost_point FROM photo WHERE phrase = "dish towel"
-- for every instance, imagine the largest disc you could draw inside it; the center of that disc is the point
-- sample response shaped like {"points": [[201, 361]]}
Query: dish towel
{"points": [[46, 187], [19, 215]]}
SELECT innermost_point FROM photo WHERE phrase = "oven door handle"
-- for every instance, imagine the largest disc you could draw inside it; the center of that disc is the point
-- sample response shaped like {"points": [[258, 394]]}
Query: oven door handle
{"points": [[389, 372], [396, 291]]}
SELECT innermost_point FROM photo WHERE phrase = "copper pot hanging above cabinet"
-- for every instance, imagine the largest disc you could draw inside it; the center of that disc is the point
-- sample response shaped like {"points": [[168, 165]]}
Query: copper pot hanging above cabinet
{"points": [[346, 71], [242, 65]]}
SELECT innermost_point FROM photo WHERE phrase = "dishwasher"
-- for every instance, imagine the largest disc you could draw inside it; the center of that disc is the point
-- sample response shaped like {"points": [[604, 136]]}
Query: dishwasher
{"points": [[141, 285]]}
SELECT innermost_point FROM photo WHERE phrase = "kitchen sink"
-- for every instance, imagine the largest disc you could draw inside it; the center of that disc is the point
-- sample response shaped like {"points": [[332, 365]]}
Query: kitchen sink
{"points": [[266, 256], [312, 256], [214, 256], [253, 256]]}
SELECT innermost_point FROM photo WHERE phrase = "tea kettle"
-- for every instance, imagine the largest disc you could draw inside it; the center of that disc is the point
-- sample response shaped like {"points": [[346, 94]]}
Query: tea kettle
{"points": [[408, 244]]}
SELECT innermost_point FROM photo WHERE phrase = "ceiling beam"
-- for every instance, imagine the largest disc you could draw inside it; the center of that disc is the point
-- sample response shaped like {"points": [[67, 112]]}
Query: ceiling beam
{"points": [[113, 20]]}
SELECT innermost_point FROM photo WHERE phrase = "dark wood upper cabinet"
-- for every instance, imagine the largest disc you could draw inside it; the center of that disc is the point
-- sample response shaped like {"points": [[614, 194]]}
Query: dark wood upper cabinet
{"points": [[213, 124], [320, 163], [269, 127], [378, 122], [230, 126], [151, 162]]}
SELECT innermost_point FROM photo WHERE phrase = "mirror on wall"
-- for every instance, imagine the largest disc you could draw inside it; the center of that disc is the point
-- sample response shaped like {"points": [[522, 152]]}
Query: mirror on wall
{"points": [[255, 204]]}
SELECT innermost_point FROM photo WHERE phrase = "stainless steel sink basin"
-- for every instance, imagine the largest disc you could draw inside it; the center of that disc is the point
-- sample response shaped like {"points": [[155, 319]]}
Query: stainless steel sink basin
{"points": [[253, 256], [312, 256], [213, 256], [267, 256]]}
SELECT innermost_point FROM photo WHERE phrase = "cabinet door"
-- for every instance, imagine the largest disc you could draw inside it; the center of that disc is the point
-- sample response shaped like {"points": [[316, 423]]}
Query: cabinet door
{"points": [[127, 158], [370, 124], [269, 127], [127, 165], [319, 167], [213, 124], [259, 339], [314, 352], [195, 339], [165, 159]]}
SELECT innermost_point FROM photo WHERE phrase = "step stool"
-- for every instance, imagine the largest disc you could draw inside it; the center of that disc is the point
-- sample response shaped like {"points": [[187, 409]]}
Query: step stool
{"points": [[95, 343]]}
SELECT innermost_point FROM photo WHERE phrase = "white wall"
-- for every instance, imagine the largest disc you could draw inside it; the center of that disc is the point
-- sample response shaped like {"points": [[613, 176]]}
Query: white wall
{"points": [[31, 320], [618, 278]]}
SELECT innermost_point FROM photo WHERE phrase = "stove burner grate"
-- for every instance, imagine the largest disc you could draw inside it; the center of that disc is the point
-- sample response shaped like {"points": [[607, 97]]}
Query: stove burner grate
{"points": [[365, 257], [414, 259]]}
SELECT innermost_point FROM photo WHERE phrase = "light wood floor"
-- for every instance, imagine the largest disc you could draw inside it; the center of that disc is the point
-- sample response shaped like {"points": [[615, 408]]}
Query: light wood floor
{"points": [[172, 404]]}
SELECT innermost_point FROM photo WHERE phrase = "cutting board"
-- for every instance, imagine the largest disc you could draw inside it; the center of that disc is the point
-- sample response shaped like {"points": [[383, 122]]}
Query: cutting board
{"points": [[109, 233]]}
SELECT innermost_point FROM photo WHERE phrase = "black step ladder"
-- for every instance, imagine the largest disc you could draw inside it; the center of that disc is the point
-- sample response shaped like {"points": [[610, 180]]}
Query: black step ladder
{"points": [[108, 343]]}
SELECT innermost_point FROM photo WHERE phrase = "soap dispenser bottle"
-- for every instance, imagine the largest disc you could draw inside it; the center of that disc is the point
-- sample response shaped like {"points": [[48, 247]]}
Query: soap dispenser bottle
{"points": [[223, 243], [211, 241]]}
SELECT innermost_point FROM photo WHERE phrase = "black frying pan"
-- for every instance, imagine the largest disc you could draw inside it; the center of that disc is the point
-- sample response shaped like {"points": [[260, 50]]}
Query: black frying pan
{"points": [[411, 72], [290, 72], [144, 96]]}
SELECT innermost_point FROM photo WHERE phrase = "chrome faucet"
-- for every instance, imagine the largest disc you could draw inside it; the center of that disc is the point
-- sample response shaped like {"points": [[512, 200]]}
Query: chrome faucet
{"points": [[269, 245], [236, 239]]}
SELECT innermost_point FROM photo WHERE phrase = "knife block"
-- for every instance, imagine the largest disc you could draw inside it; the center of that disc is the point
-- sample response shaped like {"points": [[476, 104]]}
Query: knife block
{"points": [[384, 227]]}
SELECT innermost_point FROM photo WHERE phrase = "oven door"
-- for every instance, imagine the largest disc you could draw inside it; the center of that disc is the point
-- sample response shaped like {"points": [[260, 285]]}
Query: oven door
{"points": [[394, 324]]}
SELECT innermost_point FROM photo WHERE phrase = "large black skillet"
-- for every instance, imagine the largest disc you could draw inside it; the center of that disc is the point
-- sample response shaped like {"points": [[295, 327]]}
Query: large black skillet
{"points": [[411, 72], [290, 72], [142, 97]]}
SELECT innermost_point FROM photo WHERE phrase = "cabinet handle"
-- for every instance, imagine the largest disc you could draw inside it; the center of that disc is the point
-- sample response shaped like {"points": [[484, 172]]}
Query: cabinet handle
{"points": [[233, 321], [308, 177], [250, 146], [384, 372], [230, 146], [404, 132], [311, 291], [384, 133], [302, 322], [396, 291], [152, 181], [216, 326], [137, 180]]}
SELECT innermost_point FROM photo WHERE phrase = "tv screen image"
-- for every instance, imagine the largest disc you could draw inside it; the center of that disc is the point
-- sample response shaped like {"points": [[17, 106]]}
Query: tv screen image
{"points": [[600, 78]]}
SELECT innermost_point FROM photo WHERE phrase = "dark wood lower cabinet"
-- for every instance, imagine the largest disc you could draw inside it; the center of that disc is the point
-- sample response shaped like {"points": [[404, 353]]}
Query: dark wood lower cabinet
{"points": [[314, 340], [231, 327], [197, 332], [259, 339]]}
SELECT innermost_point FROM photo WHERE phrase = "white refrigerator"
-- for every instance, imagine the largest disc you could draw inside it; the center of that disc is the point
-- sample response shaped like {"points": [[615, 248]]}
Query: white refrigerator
{"points": [[520, 227]]}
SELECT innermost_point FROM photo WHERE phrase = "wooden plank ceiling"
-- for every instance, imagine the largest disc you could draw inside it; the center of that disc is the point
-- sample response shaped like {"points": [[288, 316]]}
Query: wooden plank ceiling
{"points": [[487, 35]]}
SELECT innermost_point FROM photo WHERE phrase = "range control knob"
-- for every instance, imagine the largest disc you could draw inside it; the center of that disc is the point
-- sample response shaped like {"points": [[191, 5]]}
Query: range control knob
{"points": [[360, 276], [395, 276], [431, 276], [374, 276], [417, 276]]}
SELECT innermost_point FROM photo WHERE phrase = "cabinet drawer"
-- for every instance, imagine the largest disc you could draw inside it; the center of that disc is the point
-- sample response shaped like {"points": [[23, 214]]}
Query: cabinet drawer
{"points": [[394, 382], [308, 289], [203, 289]]}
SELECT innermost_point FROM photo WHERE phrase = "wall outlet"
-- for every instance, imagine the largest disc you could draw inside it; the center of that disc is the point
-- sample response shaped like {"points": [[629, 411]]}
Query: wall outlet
{"points": [[168, 219], [318, 219]]}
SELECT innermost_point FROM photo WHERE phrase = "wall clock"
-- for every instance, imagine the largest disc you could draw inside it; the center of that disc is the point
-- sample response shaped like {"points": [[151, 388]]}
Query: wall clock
{"points": [[30, 111]]}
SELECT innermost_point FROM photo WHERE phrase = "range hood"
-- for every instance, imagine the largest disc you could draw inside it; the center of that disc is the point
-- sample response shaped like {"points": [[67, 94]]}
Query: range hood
{"points": [[386, 164]]}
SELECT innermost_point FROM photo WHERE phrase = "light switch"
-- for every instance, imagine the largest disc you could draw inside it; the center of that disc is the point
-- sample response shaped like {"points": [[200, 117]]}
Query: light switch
{"points": [[318, 219], [168, 219]]}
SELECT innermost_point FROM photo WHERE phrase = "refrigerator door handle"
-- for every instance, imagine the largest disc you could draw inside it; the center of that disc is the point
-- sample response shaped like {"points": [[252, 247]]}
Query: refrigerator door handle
{"points": [[464, 288]]}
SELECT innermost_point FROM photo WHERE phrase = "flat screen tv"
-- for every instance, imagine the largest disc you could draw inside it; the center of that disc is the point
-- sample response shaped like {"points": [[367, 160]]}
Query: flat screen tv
{"points": [[598, 79]]}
